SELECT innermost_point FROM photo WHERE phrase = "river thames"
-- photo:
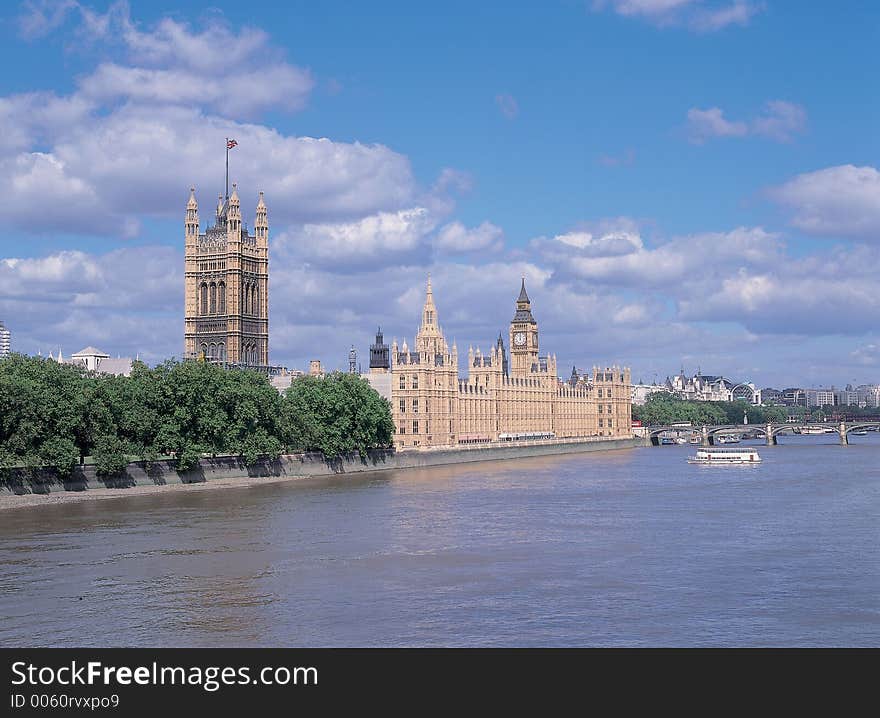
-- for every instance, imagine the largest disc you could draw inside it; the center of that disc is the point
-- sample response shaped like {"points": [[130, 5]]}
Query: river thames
{"points": [[623, 548]]}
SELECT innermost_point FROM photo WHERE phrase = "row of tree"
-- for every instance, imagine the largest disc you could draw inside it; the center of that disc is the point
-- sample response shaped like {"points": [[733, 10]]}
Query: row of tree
{"points": [[663, 409], [55, 415]]}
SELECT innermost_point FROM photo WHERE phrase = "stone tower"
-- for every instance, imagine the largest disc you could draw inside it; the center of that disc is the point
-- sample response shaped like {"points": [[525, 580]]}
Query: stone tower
{"points": [[502, 355], [380, 360], [227, 285], [523, 337]]}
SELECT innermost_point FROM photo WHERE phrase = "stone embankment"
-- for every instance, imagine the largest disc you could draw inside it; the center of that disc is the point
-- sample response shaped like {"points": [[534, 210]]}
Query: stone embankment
{"points": [[231, 471]]}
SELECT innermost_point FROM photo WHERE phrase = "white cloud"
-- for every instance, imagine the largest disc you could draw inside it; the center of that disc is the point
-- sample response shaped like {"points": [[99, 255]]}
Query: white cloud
{"points": [[237, 94], [779, 121], [609, 244], [704, 124], [40, 17], [841, 201], [386, 238], [122, 301], [455, 237], [739, 12], [697, 15], [212, 68]]}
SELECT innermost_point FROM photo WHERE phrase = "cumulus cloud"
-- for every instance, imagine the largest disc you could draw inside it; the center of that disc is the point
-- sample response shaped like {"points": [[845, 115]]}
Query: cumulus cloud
{"points": [[122, 301], [697, 15], [704, 124], [455, 237], [384, 238], [779, 121], [213, 67], [841, 201]]}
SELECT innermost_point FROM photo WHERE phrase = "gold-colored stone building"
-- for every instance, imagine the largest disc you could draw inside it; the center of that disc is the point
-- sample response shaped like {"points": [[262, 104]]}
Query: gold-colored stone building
{"points": [[500, 400], [227, 285]]}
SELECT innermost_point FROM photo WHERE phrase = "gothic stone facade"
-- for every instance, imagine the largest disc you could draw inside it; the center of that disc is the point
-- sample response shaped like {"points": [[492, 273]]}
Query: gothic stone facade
{"points": [[432, 406], [227, 285]]}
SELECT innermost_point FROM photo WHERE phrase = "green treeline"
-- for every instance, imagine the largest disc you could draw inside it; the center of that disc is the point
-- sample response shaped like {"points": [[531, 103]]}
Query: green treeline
{"points": [[663, 409], [54, 415]]}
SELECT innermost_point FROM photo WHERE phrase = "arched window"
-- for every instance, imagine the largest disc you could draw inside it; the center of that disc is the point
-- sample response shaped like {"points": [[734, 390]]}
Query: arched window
{"points": [[247, 299], [212, 351], [221, 351], [221, 299], [204, 299], [205, 349], [257, 301], [213, 298]]}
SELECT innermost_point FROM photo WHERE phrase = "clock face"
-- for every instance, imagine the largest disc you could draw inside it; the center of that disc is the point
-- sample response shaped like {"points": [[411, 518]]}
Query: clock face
{"points": [[519, 339]]}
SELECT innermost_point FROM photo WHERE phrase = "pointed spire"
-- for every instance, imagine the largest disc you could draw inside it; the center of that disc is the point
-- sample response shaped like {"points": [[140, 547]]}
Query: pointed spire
{"points": [[261, 204], [430, 325], [60, 356], [523, 295], [233, 198], [192, 217]]}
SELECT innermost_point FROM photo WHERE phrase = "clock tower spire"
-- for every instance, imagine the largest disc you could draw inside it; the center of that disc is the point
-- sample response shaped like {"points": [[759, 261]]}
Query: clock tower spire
{"points": [[523, 336]]}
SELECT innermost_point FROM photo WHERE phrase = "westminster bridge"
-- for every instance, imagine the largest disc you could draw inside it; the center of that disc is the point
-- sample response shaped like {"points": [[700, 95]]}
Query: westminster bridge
{"points": [[769, 431]]}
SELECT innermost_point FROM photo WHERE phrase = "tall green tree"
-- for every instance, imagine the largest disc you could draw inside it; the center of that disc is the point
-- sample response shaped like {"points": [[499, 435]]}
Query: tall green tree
{"points": [[337, 415]]}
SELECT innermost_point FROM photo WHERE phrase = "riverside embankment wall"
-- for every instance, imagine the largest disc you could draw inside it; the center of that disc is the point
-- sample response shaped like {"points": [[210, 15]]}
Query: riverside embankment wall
{"points": [[300, 465]]}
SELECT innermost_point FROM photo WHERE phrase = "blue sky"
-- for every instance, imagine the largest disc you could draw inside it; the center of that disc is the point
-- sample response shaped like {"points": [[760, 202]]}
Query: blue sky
{"points": [[682, 182]]}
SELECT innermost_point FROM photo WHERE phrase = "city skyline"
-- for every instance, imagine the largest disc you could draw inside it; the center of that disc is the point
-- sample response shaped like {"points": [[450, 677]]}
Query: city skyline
{"points": [[674, 184]]}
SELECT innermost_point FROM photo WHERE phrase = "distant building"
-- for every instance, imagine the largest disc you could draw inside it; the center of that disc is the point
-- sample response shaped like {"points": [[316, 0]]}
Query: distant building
{"points": [[708, 387], [847, 397], [869, 395], [97, 361], [771, 396], [283, 378], [820, 397], [5, 341], [794, 397], [315, 368], [642, 392], [380, 357], [379, 376]]}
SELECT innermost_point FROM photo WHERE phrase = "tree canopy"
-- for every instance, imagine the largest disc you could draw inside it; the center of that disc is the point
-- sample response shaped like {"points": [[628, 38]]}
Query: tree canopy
{"points": [[55, 415], [662, 409]]}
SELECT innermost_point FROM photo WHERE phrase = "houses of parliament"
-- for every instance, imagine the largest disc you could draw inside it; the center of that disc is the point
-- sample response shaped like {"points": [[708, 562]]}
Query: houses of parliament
{"points": [[503, 397]]}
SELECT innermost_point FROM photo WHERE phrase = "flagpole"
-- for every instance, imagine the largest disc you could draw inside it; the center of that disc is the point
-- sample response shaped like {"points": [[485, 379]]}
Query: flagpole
{"points": [[227, 169]]}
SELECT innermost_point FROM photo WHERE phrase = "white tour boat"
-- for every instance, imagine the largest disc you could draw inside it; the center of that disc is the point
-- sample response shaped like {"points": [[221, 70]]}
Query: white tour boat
{"points": [[712, 455]]}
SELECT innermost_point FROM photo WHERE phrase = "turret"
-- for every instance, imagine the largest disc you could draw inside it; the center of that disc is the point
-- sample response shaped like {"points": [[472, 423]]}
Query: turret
{"points": [[192, 218], [233, 216], [261, 225]]}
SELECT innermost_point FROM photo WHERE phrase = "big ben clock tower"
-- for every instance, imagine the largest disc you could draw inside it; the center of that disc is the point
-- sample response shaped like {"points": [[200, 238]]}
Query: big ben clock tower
{"points": [[523, 336]]}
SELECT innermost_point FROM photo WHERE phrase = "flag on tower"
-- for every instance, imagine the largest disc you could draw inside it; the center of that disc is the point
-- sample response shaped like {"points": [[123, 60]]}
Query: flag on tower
{"points": [[230, 144]]}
